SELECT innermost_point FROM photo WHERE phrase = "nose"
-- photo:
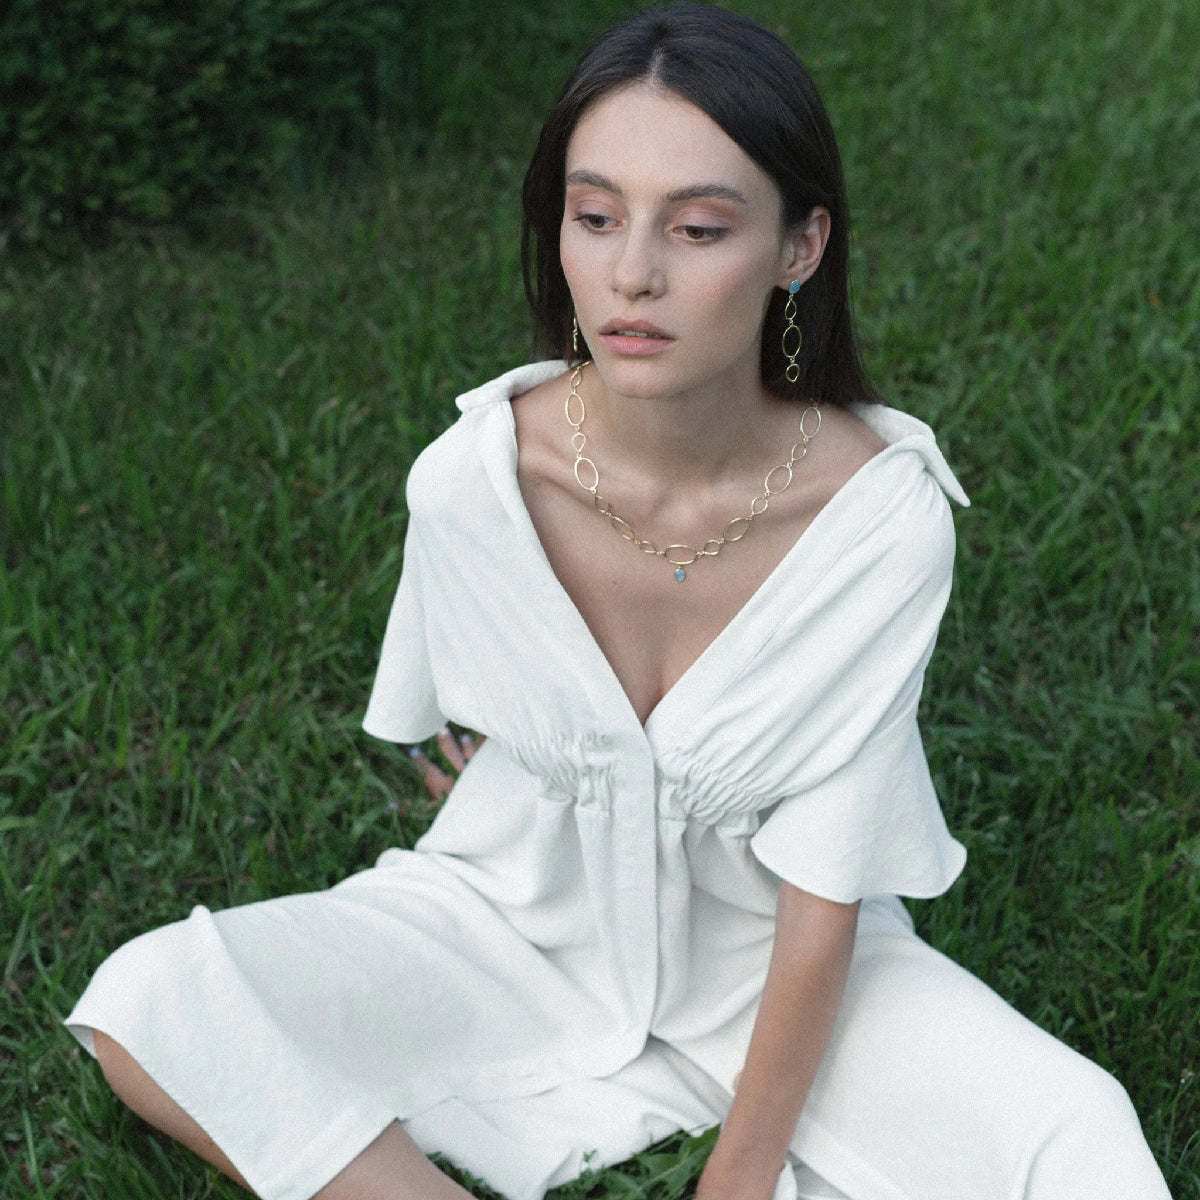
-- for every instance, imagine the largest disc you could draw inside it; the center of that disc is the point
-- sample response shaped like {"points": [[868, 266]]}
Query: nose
{"points": [[638, 269]]}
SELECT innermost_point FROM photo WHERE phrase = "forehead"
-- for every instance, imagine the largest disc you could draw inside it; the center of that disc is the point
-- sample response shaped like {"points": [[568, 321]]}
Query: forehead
{"points": [[650, 140]]}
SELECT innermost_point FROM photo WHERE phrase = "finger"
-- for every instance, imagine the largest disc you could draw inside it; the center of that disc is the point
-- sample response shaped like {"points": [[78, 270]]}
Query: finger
{"points": [[448, 745], [437, 782], [471, 742]]}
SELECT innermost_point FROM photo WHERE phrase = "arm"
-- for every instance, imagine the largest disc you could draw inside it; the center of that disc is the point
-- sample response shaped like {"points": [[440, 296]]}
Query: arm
{"points": [[814, 939]]}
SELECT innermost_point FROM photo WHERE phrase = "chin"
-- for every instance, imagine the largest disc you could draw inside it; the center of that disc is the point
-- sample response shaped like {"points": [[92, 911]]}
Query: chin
{"points": [[642, 378], [647, 377]]}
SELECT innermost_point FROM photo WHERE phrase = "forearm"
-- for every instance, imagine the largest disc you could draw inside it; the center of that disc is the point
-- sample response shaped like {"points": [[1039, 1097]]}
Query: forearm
{"points": [[814, 940]]}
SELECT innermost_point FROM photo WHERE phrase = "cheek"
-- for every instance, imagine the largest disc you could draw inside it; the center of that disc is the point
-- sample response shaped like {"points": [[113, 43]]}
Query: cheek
{"points": [[574, 264], [738, 294], [564, 250]]}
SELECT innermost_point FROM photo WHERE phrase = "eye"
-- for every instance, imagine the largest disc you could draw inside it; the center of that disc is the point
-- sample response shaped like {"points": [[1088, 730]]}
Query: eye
{"points": [[594, 221], [701, 233]]}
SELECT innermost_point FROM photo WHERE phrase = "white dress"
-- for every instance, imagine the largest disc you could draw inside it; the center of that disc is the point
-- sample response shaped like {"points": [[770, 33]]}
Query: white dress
{"points": [[568, 965]]}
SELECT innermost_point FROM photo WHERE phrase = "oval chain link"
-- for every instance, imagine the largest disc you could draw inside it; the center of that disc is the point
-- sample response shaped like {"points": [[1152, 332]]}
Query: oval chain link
{"points": [[678, 554], [793, 339]]}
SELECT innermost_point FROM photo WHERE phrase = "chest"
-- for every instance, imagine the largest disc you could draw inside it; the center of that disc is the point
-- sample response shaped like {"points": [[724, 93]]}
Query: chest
{"points": [[649, 625]]}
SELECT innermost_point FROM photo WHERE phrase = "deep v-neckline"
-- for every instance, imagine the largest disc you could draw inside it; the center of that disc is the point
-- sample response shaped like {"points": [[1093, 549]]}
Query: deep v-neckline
{"points": [[702, 680], [503, 469]]}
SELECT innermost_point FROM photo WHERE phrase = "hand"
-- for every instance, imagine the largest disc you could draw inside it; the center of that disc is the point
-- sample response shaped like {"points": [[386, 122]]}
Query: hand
{"points": [[455, 751], [718, 1184], [733, 1175]]}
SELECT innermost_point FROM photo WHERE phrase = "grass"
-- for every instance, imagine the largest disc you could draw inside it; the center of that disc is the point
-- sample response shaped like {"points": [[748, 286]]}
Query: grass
{"points": [[202, 448]]}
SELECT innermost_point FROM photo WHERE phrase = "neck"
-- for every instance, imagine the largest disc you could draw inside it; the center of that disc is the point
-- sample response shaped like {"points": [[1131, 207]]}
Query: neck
{"points": [[699, 438]]}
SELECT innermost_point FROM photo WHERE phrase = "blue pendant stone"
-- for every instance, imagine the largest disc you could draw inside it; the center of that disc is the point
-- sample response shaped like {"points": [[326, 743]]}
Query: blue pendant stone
{"points": [[680, 574]]}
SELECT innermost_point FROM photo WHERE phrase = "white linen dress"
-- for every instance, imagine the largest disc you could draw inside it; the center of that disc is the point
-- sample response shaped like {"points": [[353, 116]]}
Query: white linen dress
{"points": [[568, 965]]}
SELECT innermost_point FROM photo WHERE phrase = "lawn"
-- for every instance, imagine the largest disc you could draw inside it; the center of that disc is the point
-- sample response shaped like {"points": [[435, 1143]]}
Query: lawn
{"points": [[203, 444]]}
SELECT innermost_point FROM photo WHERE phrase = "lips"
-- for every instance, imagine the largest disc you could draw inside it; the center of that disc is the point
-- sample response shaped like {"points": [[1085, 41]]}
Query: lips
{"points": [[631, 337], [636, 328]]}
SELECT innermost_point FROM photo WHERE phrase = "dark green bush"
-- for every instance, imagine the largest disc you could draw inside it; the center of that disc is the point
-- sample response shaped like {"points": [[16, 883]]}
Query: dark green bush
{"points": [[138, 109]]}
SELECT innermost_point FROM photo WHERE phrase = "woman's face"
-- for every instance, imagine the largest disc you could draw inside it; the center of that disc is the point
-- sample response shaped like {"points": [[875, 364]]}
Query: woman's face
{"points": [[672, 240]]}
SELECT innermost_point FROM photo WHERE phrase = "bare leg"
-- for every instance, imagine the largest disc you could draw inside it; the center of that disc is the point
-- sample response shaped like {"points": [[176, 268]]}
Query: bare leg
{"points": [[392, 1167], [126, 1077]]}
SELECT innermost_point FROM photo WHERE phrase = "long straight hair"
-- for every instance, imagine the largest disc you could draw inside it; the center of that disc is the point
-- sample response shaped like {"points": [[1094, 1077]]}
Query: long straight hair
{"points": [[754, 87]]}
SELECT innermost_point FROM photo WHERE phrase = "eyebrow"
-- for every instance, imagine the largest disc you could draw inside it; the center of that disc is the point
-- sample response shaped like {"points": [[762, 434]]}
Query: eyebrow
{"points": [[693, 191]]}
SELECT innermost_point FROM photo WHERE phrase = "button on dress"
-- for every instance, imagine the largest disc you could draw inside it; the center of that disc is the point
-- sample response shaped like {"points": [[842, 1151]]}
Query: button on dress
{"points": [[568, 964]]}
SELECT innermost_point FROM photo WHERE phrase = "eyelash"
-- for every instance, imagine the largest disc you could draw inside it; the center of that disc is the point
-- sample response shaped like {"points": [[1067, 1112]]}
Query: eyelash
{"points": [[592, 221], [598, 223]]}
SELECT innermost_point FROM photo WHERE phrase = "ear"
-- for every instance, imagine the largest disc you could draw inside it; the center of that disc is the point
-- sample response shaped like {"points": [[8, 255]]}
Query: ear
{"points": [[803, 246]]}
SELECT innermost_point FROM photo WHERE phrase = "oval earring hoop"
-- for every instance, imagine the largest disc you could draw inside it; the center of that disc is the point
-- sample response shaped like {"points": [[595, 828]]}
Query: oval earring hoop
{"points": [[793, 338], [574, 335]]}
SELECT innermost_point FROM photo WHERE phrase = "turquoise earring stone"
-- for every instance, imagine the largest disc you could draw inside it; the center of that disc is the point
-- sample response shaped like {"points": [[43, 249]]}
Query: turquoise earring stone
{"points": [[680, 574], [794, 286]]}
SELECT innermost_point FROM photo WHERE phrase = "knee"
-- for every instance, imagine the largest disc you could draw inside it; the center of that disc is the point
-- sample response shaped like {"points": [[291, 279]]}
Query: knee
{"points": [[1111, 1096], [1093, 1110], [1094, 1148], [138, 1091]]}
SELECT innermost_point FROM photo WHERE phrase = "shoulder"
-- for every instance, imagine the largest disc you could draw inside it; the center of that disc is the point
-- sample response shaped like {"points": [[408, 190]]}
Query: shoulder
{"points": [[892, 463], [541, 430], [445, 464], [451, 463], [887, 518], [517, 382], [903, 434], [905, 527], [843, 447], [879, 489]]}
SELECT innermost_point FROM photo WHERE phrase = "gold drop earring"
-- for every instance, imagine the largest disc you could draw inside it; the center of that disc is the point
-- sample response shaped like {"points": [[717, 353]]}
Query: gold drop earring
{"points": [[793, 338]]}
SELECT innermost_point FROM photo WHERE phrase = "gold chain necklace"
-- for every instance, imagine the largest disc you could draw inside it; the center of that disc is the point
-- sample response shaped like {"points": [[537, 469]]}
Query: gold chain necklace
{"points": [[679, 555]]}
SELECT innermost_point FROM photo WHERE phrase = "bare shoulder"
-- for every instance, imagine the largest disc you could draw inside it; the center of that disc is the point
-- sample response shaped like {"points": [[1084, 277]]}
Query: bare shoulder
{"points": [[542, 431], [540, 399], [844, 445]]}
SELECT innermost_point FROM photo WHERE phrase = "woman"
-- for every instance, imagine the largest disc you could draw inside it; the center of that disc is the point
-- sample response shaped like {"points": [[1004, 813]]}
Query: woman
{"points": [[663, 894]]}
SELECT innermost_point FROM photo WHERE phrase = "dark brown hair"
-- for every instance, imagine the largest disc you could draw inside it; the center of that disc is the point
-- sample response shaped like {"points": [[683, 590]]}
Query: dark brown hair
{"points": [[754, 87]]}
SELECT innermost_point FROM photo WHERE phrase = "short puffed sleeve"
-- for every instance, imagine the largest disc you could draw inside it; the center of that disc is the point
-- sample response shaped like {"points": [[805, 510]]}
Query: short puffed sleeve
{"points": [[860, 815], [403, 706]]}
